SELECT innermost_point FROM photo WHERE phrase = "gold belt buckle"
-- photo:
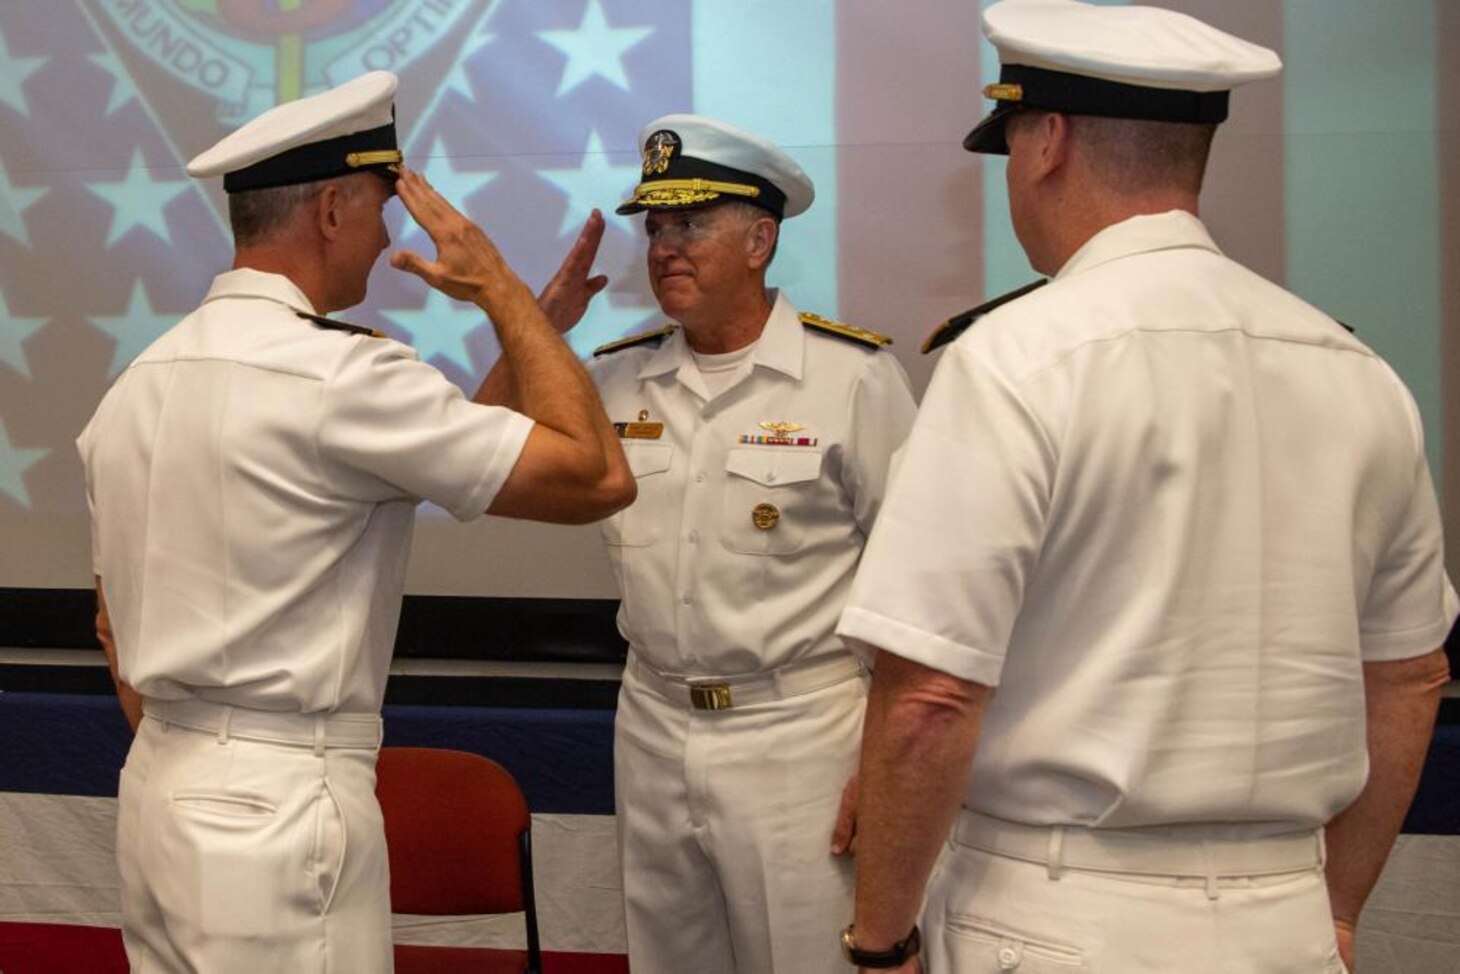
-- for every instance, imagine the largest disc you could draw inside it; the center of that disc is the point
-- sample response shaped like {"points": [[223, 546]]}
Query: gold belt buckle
{"points": [[710, 696]]}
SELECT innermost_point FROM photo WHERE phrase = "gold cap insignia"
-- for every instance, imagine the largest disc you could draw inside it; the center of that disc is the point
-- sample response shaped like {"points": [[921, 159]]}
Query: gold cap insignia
{"points": [[765, 516], [1004, 92], [391, 157], [658, 150]]}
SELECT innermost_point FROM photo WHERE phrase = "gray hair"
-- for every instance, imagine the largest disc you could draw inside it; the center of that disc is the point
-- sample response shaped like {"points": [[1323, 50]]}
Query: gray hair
{"points": [[748, 213], [257, 214]]}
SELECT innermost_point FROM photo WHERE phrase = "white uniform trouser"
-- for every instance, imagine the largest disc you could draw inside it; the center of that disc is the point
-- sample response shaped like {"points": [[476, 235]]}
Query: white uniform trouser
{"points": [[725, 821], [989, 913], [247, 856]]}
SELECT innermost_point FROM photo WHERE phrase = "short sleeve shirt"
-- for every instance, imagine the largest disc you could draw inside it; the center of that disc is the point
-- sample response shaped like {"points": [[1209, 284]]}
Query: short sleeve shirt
{"points": [[1168, 509], [253, 478], [710, 588]]}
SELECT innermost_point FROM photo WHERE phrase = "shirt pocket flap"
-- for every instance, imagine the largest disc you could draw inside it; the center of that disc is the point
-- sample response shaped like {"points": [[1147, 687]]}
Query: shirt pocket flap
{"points": [[774, 466], [648, 458]]}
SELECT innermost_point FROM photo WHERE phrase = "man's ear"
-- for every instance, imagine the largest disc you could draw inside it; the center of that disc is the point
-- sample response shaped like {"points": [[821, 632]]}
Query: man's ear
{"points": [[760, 241], [1055, 133], [327, 215]]}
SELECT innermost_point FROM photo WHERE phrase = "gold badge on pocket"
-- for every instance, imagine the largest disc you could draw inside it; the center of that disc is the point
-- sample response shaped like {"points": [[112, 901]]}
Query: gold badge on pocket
{"points": [[765, 516], [639, 430]]}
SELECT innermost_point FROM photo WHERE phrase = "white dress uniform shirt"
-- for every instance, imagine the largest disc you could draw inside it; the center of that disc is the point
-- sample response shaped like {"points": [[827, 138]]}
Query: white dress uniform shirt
{"points": [[1168, 509], [259, 478], [705, 591]]}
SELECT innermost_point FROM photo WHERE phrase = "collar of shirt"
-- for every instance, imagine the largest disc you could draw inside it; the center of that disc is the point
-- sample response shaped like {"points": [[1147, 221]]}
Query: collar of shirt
{"points": [[782, 347], [1173, 230], [248, 283]]}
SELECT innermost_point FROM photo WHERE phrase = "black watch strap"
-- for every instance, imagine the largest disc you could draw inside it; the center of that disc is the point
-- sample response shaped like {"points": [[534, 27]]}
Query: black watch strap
{"points": [[894, 956]]}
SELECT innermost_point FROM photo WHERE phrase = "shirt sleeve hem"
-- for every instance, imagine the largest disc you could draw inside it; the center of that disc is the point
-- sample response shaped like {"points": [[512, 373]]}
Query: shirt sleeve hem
{"points": [[865, 630], [1409, 643], [495, 470]]}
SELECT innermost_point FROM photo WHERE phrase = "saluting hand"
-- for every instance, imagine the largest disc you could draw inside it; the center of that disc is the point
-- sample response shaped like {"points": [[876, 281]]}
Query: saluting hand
{"points": [[468, 265], [566, 297]]}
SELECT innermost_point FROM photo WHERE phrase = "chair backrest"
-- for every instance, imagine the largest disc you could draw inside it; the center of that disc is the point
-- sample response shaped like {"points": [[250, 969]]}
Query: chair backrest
{"points": [[456, 828]]}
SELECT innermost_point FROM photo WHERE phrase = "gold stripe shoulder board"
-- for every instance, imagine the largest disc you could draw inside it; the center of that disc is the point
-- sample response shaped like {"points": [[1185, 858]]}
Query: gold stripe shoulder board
{"points": [[851, 333], [657, 335]]}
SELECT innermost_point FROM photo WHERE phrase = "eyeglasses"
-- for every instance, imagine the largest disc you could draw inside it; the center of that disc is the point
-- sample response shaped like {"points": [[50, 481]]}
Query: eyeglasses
{"points": [[680, 229]]}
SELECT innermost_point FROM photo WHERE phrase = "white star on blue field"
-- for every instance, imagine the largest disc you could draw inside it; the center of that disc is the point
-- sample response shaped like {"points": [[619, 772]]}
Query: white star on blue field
{"points": [[14, 330], [596, 182], [440, 328], [134, 329], [14, 201], [14, 462], [139, 200], [594, 49], [12, 79]]}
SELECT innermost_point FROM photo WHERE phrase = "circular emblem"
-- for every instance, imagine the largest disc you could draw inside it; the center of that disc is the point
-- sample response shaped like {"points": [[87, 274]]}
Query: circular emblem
{"points": [[765, 516], [249, 55], [659, 148]]}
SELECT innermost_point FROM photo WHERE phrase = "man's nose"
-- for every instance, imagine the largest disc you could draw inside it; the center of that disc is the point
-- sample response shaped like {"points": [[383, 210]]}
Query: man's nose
{"points": [[663, 245]]}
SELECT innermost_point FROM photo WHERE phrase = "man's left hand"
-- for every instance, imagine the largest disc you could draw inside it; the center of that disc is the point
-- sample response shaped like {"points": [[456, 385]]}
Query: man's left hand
{"points": [[565, 298]]}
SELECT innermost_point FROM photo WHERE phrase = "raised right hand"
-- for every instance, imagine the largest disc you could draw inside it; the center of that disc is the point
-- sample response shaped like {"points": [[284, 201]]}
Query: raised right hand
{"points": [[468, 265]]}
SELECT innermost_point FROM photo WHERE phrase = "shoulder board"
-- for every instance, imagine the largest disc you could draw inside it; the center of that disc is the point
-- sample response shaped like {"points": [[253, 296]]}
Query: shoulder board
{"points": [[851, 333], [642, 338], [960, 323], [322, 322]]}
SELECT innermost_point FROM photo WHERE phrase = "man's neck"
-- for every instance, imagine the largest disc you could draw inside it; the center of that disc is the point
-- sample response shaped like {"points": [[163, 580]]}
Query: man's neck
{"points": [[302, 273], [1081, 224], [730, 328]]}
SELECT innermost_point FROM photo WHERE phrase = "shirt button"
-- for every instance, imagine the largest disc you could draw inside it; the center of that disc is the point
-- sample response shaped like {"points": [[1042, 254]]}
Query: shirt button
{"points": [[693, 537], [1008, 958], [699, 478], [686, 599], [770, 478]]}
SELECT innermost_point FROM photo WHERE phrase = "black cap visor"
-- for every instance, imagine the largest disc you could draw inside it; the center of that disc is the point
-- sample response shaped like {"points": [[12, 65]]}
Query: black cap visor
{"points": [[988, 136], [1073, 94]]}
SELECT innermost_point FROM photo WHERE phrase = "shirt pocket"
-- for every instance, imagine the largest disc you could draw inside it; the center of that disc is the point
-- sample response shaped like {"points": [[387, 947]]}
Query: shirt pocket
{"points": [[770, 498], [638, 524]]}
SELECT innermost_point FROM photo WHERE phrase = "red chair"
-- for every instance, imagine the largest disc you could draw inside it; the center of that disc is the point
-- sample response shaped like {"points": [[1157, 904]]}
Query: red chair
{"points": [[459, 840]]}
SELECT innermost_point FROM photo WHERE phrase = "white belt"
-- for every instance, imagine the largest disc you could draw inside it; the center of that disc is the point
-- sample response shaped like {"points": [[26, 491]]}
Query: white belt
{"points": [[318, 731], [709, 693], [1212, 853]]}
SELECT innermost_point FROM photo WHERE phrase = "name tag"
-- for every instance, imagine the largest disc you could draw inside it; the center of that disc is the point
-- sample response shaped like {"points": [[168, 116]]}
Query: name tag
{"points": [[639, 431]]}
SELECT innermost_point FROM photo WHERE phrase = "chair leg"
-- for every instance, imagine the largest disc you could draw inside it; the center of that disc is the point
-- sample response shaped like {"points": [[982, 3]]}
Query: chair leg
{"points": [[529, 903]]}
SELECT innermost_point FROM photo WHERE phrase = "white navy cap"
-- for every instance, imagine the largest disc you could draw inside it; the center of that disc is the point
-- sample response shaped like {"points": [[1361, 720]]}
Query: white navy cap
{"points": [[1113, 61], [691, 160], [343, 130]]}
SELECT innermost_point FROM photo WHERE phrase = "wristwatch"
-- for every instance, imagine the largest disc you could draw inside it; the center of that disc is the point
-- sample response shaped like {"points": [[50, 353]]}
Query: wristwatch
{"points": [[894, 956]]}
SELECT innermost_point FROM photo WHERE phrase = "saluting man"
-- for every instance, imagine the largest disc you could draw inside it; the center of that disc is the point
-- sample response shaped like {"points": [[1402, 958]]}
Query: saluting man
{"points": [[253, 478], [760, 439]]}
